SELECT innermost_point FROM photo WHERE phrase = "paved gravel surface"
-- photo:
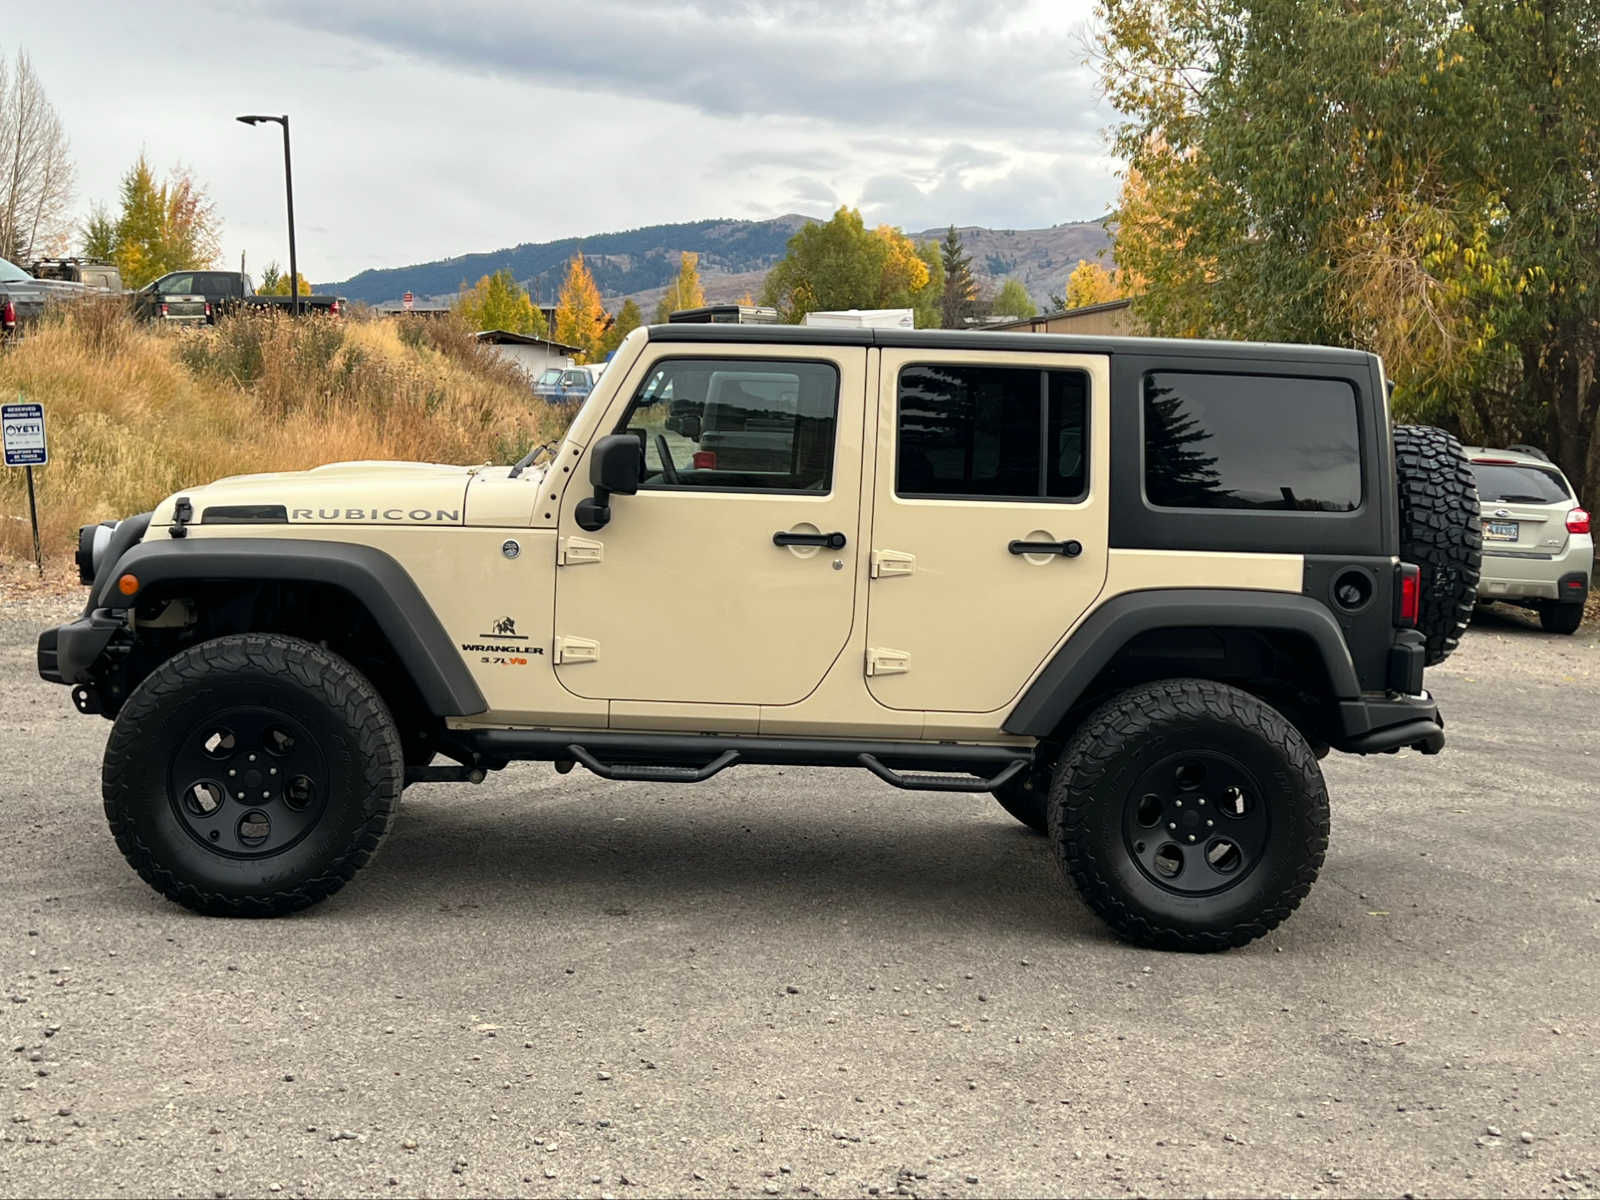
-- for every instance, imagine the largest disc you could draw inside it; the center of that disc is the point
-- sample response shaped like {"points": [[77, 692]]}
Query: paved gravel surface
{"points": [[796, 982]]}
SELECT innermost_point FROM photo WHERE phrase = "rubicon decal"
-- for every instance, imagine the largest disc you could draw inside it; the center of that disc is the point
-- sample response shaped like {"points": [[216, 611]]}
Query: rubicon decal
{"points": [[501, 647], [443, 516]]}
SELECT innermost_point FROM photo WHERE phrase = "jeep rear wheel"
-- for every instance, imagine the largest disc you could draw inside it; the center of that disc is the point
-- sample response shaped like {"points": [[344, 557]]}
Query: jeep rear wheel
{"points": [[1439, 532], [252, 775], [1189, 815]]}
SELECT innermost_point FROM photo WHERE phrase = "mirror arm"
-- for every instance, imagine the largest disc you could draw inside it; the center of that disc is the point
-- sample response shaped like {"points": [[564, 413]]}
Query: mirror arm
{"points": [[595, 512]]}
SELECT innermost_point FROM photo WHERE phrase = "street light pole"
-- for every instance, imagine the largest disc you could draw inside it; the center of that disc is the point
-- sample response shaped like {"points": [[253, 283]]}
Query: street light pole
{"points": [[288, 188]]}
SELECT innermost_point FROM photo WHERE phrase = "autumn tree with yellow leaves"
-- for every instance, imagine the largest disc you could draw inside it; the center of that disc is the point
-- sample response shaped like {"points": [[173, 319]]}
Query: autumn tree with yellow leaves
{"points": [[841, 264], [1410, 176], [580, 317], [684, 291]]}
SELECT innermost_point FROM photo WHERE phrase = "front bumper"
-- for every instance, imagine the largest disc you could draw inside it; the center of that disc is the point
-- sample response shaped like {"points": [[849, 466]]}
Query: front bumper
{"points": [[1379, 726], [68, 653]]}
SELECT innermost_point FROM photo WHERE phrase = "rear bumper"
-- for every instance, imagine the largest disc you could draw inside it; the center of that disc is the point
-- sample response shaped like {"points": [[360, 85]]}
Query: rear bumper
{"points": [[1528, 575], [1394, 723]]}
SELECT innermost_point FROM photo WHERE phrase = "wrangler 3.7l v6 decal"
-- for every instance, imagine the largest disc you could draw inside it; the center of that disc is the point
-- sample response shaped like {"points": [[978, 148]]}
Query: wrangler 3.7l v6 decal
{"points": [[500, 648]]}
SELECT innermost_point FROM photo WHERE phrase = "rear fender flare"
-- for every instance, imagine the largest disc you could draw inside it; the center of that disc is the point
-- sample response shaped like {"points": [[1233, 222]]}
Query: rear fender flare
{"points": [[1109, 628]]}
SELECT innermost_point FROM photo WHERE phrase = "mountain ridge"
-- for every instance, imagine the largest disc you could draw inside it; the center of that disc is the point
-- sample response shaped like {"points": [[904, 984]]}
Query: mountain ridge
{"points": [[735, 255]]}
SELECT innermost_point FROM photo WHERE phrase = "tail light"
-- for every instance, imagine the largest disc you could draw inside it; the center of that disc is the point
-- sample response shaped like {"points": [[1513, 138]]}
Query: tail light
{"points": [[208, 310], [1578, 521], [705, 460], [333, 309], [1408, 599], [8, 315], [163, 308]]}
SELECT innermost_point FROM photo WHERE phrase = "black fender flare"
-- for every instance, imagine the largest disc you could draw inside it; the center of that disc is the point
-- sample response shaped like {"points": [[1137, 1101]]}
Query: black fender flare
{"points": [[372, 577], [1110, 627]]}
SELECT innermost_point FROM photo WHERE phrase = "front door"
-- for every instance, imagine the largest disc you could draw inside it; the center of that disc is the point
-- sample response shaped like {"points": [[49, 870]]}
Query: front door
{"points": [[730, 577], [989, 521]]}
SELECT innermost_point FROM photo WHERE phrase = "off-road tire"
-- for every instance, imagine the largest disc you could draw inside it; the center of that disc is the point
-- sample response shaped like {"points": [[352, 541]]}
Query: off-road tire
{"points": [[1110, 753], [1439, 532], [329, 699], [1556, 617], [1028, 800]]}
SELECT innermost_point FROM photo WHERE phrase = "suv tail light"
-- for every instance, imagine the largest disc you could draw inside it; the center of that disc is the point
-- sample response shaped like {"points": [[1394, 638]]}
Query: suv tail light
{"points": [[1408, 596], [163, 308], [333, 309], [8, 316], [704, 460], [1578, 521]]}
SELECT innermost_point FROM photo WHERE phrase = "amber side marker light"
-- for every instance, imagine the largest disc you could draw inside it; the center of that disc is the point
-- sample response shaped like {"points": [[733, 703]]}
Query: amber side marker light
{"points": [[128, 585]]}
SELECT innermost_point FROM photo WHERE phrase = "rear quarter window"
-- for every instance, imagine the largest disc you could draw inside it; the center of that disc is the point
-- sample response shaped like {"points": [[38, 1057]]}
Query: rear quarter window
{"points": [[1252, 442]]}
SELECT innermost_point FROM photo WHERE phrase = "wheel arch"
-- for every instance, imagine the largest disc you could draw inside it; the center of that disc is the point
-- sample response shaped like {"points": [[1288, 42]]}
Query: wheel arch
{"points": [[1230, 635], [382, 589]]}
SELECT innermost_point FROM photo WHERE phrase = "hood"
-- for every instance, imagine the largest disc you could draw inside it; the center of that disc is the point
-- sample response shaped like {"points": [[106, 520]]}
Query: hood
{"points": [[348, 493]]}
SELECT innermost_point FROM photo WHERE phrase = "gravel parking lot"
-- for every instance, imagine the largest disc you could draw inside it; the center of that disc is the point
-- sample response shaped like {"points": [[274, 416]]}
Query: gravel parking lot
{"points": [[791, 982]]}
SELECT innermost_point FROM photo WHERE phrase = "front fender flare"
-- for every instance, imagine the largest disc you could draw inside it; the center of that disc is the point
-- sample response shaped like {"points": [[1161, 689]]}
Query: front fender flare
{"points": [[375, 579], [1122, 618]]}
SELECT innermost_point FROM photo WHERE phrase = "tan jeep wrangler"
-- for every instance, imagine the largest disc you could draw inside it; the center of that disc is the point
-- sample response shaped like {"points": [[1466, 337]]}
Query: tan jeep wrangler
{"points": [[1133, 588]]}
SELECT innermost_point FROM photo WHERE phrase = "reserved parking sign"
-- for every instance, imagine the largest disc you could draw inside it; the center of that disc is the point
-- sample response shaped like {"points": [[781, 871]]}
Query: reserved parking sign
{"points": [[24, 435]]}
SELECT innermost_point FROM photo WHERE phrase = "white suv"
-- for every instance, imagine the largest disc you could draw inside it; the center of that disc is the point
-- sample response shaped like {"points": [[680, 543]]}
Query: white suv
{"points": [[1537, 548]]}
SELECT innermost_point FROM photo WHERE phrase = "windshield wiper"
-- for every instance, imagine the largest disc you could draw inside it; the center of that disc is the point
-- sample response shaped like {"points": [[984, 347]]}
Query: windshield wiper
{"points": [[1519, 498], [531, 457]]}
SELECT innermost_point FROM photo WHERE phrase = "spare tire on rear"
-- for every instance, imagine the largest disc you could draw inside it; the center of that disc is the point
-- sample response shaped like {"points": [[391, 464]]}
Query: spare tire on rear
{"points": [[1439, 531]]}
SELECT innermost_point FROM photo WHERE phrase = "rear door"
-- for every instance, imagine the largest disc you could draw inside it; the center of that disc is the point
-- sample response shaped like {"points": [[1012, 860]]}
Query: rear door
{"points": [[1524, 507], [716, 583], [989, 521]]}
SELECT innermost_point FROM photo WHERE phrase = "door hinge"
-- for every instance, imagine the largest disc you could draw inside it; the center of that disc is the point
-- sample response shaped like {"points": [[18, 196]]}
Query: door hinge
{"points": [[576, 650], [883, 661], [885, 563], [575, 551]]}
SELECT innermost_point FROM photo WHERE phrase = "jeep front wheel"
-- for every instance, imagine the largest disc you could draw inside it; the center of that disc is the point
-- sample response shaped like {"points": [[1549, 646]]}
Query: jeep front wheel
{"points": [[252, 775], [1189, 815]]}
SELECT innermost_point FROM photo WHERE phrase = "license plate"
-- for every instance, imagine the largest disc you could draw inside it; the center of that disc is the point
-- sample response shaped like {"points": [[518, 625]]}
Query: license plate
{"points": [[1500, 531]]}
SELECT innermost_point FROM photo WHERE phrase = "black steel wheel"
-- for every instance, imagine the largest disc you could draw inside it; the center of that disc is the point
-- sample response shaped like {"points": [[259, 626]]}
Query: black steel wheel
{"points": [[251, 775], [1189, 815], [248, 781]]}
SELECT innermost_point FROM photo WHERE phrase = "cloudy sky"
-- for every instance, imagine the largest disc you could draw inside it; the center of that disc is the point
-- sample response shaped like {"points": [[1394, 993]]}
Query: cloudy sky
{"points": [[425, 129]]}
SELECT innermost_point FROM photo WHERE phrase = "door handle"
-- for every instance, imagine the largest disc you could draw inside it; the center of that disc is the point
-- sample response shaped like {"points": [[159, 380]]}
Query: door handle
{"points": [[1067, 549], [832, 541]]}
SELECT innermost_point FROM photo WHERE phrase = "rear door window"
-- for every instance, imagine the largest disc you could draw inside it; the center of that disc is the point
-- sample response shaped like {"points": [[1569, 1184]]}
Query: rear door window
{"points": [[991, 433], [1253, 442], [1516, 483]]}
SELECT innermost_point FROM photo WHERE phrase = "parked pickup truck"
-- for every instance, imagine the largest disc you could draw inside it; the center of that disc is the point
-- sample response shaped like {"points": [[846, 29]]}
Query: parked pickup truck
{"points": [[228, 291], [23, 298], [170, 301]]}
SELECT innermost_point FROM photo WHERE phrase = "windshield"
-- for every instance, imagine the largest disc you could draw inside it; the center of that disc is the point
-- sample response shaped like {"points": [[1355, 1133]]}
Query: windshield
{"points": [[551, 375], [1518, 483], [11, 273]]}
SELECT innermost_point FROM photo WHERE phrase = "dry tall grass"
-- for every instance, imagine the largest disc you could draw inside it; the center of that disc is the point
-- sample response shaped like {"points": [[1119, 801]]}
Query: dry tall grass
{"points": [[136, 412]]}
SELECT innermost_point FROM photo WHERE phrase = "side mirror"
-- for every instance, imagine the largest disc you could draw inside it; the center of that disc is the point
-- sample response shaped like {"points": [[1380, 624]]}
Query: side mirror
{"points": [[615, 466]]}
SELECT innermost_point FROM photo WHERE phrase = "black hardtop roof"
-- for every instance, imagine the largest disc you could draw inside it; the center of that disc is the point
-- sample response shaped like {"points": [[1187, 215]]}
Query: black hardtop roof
{"points": [[1057, 343]]}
